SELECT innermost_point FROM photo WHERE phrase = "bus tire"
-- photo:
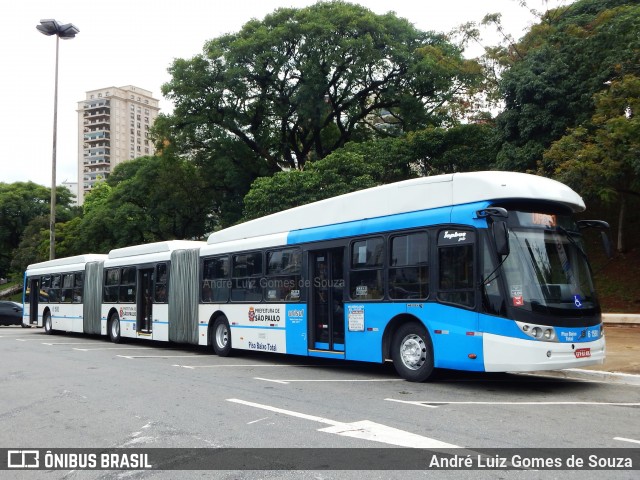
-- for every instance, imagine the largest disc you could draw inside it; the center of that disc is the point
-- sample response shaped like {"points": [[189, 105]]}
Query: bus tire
{"points": [[412, 352], [221, 339], [47, 323], [114, 329]]}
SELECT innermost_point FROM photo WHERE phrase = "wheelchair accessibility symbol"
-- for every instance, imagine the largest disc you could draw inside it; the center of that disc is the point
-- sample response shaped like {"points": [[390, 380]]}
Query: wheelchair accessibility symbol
{"points": [[577, 301]]}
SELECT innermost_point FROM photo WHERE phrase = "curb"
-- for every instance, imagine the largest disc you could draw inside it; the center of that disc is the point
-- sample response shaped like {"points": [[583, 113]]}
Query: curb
{"points": [[592, 376], [621, 318]]}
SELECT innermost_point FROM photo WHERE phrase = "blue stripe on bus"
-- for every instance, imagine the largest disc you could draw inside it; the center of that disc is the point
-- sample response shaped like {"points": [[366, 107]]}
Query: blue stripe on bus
{"points": [[420, 218], [257, 326]]}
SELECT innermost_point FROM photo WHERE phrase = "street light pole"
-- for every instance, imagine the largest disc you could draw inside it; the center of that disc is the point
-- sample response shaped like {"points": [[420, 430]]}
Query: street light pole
{"points": [[64, 31]]}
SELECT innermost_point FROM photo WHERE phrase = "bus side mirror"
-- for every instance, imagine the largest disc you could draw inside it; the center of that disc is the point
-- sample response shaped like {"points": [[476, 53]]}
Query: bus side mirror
{"points": [[604, 227], [500, 236]]}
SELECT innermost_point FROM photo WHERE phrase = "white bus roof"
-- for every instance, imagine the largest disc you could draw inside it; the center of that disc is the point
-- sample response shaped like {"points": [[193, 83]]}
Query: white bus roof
{"points": [[407, 196], [65, 264], [154, 248]]}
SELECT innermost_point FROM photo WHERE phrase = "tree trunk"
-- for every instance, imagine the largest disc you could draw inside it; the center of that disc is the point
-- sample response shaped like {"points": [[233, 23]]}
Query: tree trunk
{"points": [[621, 213]]}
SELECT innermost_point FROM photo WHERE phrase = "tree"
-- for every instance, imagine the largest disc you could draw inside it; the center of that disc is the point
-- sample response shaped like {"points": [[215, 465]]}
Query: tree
{"points": [[301, 83], [462, 148], [363, 165], [145, 200], [20, 203], [601, 158], [354, 167], [555, 71]]}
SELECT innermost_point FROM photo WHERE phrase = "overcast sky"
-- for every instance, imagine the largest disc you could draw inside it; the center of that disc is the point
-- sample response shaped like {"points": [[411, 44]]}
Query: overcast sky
{"points": [[133, 42]]}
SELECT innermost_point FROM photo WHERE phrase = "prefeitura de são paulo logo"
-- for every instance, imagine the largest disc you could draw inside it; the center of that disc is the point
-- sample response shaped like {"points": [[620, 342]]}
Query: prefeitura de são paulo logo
{"points": [[252, 314]]}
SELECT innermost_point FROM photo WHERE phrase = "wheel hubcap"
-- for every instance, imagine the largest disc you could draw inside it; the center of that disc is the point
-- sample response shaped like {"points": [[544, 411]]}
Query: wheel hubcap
{"points": [[222, 336], [413, 352], [115, 328]]}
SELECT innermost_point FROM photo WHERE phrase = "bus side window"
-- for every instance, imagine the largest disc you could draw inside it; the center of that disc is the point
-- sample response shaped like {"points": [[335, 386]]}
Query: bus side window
{"points": [[408, 266], [44, 289], [111, 285], [78, 287], [160, 293], [455, 267], [246, 275], [54, 291], [67, 288], [365, 278], [128, 285], [215, 280]]}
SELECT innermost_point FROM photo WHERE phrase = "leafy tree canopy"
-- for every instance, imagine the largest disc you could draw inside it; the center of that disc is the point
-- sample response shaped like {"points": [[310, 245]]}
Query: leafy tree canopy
{"points": [[557, 68], [20, 203], [301, 83], [362, 165], [601, 158]]}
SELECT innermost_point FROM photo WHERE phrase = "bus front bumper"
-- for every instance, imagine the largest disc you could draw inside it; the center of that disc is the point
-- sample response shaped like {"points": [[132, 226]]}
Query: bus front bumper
{"points": [[507, 354]]}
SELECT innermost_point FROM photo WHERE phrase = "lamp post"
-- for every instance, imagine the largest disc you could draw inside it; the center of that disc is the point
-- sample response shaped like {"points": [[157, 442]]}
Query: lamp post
{"points": [[65, 31]]}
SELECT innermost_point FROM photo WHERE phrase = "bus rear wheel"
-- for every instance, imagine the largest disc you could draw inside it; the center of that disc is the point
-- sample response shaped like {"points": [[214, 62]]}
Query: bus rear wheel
{"points": [[48, 325], [114, 329], [412, 352], [221, 337]]}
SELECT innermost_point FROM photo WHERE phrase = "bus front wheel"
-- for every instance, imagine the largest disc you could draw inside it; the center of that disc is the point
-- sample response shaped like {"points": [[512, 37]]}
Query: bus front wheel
{"points": [[48, 325], [114, 329], [412, 352], [221, 337]]}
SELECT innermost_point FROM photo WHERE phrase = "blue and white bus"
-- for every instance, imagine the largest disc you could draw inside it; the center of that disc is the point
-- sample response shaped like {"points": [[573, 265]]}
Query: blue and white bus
{"points": [[480, 271], [63, 294], [476, 271]]}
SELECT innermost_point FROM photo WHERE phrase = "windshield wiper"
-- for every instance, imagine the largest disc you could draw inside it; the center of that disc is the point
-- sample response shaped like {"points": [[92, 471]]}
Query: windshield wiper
{"points": [[572, 240]]}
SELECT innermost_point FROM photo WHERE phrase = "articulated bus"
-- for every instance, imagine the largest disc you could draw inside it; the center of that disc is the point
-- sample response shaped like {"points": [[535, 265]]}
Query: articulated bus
{"points": [[482, 271]]}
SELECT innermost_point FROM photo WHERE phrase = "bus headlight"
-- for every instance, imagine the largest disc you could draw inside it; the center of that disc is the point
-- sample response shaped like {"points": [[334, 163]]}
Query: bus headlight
{"points": [[543, 333]]}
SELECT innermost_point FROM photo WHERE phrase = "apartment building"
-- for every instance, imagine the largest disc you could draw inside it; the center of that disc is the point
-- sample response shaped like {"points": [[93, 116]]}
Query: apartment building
{"points": [[113, 127]]}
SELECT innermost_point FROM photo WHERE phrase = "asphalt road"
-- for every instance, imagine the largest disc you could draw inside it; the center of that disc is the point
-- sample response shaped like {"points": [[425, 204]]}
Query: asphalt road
{"points": [[74, 391]]}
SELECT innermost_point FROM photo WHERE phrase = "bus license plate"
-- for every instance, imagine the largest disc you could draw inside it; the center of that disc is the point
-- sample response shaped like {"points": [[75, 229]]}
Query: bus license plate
{"points": [[583, 352]]}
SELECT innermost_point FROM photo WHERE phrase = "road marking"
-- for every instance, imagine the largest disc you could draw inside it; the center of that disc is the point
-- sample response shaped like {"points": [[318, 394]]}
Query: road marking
{"points": [[246, 365], [67, 343], [364, 429], [111, 348], [131, 357], [622, 439], [29, 339], [285, 382], [432, 404], [256, 421]]}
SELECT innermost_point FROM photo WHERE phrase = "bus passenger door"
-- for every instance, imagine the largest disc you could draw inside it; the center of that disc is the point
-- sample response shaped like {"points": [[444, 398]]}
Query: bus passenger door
{"points": [[34, 297], [327, 299], [145, 300]]}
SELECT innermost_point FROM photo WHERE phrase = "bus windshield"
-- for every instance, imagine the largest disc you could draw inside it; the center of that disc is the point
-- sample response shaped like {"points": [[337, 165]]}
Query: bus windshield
{"points": [[546, 270]]}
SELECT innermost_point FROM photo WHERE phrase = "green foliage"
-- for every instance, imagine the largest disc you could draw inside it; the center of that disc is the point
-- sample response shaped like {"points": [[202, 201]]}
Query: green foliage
{"points": [[144, 200], [555, 71], [34, 246], [601, 158], [20, 203], [301, 83], [463, 148], [362, 165]]}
